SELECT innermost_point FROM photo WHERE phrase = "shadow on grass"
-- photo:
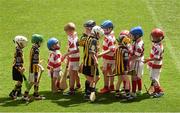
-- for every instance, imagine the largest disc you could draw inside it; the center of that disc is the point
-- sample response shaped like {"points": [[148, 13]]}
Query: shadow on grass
{"points": [[71, 101]]}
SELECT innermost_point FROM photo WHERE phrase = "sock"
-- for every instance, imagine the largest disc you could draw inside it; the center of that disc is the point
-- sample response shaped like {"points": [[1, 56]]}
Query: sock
{"points": [[92, 89], [71, 89], [134, 83], [139, 82], [127, 92], [36, 88], [78, 85], [87, 86], [124, 84]]}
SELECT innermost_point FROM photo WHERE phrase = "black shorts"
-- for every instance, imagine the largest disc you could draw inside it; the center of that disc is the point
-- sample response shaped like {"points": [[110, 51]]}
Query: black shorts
{"points": [[87, 70], [17, 76]]}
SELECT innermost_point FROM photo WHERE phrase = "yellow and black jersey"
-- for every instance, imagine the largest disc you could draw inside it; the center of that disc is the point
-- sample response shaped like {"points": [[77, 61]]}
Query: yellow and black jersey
{"points": [[34, 59], [90, 45], [18, 58], [121, 60]]}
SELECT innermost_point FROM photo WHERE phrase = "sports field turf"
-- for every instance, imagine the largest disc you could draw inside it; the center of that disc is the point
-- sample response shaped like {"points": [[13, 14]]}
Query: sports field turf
{"points": [[47, 17]]}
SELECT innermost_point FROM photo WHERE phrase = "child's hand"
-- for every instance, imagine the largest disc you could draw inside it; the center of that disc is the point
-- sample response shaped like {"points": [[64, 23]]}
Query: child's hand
{"points": [[146, 60], [51, 69], [21, 69]]}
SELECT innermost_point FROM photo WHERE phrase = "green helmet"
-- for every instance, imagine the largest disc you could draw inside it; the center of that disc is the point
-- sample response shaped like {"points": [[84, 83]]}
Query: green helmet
{"points": [[36, 38]]}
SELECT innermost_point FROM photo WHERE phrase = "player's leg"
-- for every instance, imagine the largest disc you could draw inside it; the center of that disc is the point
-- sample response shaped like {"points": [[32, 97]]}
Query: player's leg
{"points": [[158, 92], [111, 79], [77, 78], [140, 68], [118, 84], [17, 88], [105, 89], [31, 83]]}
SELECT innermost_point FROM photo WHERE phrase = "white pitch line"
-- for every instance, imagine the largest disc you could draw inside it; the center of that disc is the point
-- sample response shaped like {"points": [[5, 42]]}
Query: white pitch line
{"points": [[168, 42]]}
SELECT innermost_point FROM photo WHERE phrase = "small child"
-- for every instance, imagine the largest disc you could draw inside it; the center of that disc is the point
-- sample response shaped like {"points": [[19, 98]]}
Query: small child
{"points": [[121, 64], [73, 57], [34, 68], [18, 68], [108, 56], [54, 63], [155, 62], [136, 59]]}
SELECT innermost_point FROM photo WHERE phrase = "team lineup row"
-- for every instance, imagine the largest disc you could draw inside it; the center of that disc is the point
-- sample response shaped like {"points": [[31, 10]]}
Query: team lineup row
{"points": [[122, 57]]}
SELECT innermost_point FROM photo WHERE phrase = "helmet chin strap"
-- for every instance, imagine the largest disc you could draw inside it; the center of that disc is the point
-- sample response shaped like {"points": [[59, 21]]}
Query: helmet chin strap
{"points": [[158, 40]]}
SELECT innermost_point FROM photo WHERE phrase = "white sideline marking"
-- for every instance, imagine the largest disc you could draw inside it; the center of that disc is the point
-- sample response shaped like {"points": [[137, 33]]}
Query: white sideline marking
{"points": [[168, 42]]}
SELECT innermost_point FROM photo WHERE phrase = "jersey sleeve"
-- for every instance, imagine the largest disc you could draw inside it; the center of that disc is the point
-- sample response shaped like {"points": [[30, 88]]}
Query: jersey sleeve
{"points": [[51, 61], [139, 50]]}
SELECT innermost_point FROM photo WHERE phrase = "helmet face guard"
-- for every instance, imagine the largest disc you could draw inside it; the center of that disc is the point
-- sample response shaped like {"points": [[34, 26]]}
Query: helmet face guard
{"points": [[156, 39], [107, 26], [20, 41], [136, 33], [53, 44], [97, 31]]}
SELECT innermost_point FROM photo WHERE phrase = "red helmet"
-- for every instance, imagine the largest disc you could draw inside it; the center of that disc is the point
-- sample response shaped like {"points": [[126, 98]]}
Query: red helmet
{"points": [[124, 32], [157, 34]]}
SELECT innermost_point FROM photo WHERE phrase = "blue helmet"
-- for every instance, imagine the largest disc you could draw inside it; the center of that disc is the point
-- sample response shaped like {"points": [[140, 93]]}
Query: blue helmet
{"points": [[137, 32], [107, 24], [51, 42]]}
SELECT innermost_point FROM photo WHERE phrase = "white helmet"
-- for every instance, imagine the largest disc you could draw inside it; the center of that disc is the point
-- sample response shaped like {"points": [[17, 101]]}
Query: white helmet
{"points": [[97, 30], [20, 41]]}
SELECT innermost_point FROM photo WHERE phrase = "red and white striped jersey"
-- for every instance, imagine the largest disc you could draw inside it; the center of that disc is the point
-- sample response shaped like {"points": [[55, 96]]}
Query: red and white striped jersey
{"points": [[54, 60], [109, 44], [156, 52], [138, 49], [72, 46]]}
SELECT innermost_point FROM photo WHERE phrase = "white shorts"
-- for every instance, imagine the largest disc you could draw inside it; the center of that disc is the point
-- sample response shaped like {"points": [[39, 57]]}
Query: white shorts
{"points": [[138, 66], [73, 66], [154, 74], [108, 64], [55, 73]]}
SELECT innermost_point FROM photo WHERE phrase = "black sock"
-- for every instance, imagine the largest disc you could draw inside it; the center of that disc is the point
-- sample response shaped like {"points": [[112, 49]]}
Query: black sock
{"points": [[87, 86], [127, 92]]}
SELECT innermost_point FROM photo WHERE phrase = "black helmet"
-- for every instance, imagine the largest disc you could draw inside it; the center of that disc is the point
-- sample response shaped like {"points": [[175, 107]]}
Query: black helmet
{"points": [[89, 23]]}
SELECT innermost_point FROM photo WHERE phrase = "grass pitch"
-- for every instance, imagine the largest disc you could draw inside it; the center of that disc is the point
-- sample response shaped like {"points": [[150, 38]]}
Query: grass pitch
{"points": [[47, 17]]}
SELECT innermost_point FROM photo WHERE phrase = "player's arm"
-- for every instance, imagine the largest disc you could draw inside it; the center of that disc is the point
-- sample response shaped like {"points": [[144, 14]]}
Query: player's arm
{"points": [[137, 53], [151, 59], [111, 49], [93, 51], [71, 52]]}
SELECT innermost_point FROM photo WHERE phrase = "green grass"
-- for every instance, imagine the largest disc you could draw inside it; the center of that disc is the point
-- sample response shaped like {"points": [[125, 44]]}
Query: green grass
{"points": [[48, 17]]}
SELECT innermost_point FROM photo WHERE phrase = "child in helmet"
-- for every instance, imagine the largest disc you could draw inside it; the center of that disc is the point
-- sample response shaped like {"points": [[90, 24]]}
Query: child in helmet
{"points": [[18, 68], [54, 63], [34, 68], [122, 63], [155, 62], [73, 57], [108, 56], [88, 25], [90, 62], [136, 58]]}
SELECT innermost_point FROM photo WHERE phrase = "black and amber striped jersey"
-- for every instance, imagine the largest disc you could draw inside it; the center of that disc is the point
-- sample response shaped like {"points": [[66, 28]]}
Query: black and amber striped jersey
{"points": [[121, 60], [18, 58], [90, 45], [34, 59]]}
